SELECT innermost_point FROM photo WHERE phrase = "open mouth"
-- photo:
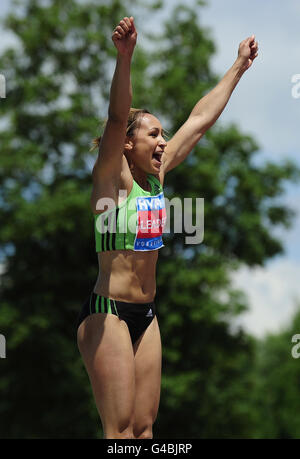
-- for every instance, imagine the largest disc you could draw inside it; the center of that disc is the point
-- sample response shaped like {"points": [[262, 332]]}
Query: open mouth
{"points": [[157, 157]]}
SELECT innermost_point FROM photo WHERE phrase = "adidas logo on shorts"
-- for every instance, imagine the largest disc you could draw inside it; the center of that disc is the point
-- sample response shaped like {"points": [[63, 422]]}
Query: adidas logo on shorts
{"points": [[149, 313]]}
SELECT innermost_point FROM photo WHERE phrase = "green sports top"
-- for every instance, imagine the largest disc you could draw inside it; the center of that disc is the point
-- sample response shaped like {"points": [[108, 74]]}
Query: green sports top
{"points": [[135, 224]]}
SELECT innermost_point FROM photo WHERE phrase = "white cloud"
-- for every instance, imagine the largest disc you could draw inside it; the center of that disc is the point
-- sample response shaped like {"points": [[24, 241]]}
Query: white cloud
{"points": [[272, 292]]}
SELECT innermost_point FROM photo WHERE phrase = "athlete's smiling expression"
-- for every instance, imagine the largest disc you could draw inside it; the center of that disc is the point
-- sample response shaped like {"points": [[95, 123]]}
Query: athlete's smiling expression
{"points": [[144, 151]]}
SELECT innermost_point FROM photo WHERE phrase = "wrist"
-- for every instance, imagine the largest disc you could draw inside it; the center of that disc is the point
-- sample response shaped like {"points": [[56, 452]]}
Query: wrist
{"points": [[240, 65], [124, 57]]}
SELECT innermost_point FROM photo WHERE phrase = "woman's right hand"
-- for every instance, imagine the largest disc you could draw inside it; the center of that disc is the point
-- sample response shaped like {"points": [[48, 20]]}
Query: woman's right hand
{"points": [[124, 36]]}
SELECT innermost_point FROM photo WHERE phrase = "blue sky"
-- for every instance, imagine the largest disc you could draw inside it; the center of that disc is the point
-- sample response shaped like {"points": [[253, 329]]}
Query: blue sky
{"points": [[263, 106]]}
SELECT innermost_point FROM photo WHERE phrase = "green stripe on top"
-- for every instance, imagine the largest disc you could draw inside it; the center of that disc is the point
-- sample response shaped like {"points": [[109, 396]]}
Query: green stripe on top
{"points": [[105, 240], [112, 229], [109, 306], [121, 228]]}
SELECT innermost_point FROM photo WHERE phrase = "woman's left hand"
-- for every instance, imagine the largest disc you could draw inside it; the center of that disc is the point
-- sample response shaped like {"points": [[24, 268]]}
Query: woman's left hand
{"points": [[248, 51]]}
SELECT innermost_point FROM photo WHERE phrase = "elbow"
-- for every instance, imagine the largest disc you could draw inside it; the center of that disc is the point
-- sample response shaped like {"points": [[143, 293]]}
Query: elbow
{"points": [[202, 122], [208, 120]]}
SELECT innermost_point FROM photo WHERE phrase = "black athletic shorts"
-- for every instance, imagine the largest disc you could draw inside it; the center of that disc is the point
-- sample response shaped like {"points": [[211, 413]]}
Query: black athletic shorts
{"points": [[137, 316]]}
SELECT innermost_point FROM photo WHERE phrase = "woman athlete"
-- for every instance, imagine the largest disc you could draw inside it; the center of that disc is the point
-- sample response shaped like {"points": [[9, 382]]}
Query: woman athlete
{"points": [[118, 333]]}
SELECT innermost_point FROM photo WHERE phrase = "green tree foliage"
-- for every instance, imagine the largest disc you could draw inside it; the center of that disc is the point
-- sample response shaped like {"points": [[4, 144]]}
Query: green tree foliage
{"points": [[58, 84], [278, 384]]}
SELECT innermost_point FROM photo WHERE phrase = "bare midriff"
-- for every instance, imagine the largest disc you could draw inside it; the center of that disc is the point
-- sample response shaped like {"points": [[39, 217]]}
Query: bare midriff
{"points": [[127, 275]]}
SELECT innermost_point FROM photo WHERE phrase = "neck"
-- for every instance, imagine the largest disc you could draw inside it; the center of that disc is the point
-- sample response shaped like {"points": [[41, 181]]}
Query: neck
{"points": [[140, 177]]}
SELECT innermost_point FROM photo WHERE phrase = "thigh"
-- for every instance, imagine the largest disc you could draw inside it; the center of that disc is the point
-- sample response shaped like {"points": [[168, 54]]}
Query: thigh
{"points": [[105, 345], [147, 359]]}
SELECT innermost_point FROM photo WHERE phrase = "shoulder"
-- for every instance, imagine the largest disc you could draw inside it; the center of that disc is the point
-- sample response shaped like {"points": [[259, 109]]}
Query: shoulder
{"points": [[106, 186]]}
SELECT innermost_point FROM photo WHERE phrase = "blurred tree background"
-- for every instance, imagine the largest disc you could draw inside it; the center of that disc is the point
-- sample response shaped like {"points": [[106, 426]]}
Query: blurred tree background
{"points": [[217, 382]]}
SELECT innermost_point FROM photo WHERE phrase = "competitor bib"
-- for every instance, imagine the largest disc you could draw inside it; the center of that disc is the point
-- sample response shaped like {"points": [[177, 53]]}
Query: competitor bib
{"points": [[151, 219]]}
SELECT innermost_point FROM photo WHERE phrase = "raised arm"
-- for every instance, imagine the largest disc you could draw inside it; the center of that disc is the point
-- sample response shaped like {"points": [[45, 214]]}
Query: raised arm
{"points": [[209, 108], [112, 141]]}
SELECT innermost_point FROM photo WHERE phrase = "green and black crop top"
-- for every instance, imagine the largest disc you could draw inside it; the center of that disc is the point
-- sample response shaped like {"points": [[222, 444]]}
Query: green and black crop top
{"points": [[135, 224]]}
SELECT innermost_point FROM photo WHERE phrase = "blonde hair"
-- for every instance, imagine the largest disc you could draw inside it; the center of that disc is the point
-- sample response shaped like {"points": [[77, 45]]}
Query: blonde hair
{"points": [[133, 122]]}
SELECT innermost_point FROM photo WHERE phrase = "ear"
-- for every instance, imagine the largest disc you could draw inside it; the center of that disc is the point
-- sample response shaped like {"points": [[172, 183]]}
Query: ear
{"points": [[128, 146]]}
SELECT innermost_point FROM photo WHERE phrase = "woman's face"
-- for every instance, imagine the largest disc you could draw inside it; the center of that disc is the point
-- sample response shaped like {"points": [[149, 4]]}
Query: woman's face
{"points": [[147, 145]]}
